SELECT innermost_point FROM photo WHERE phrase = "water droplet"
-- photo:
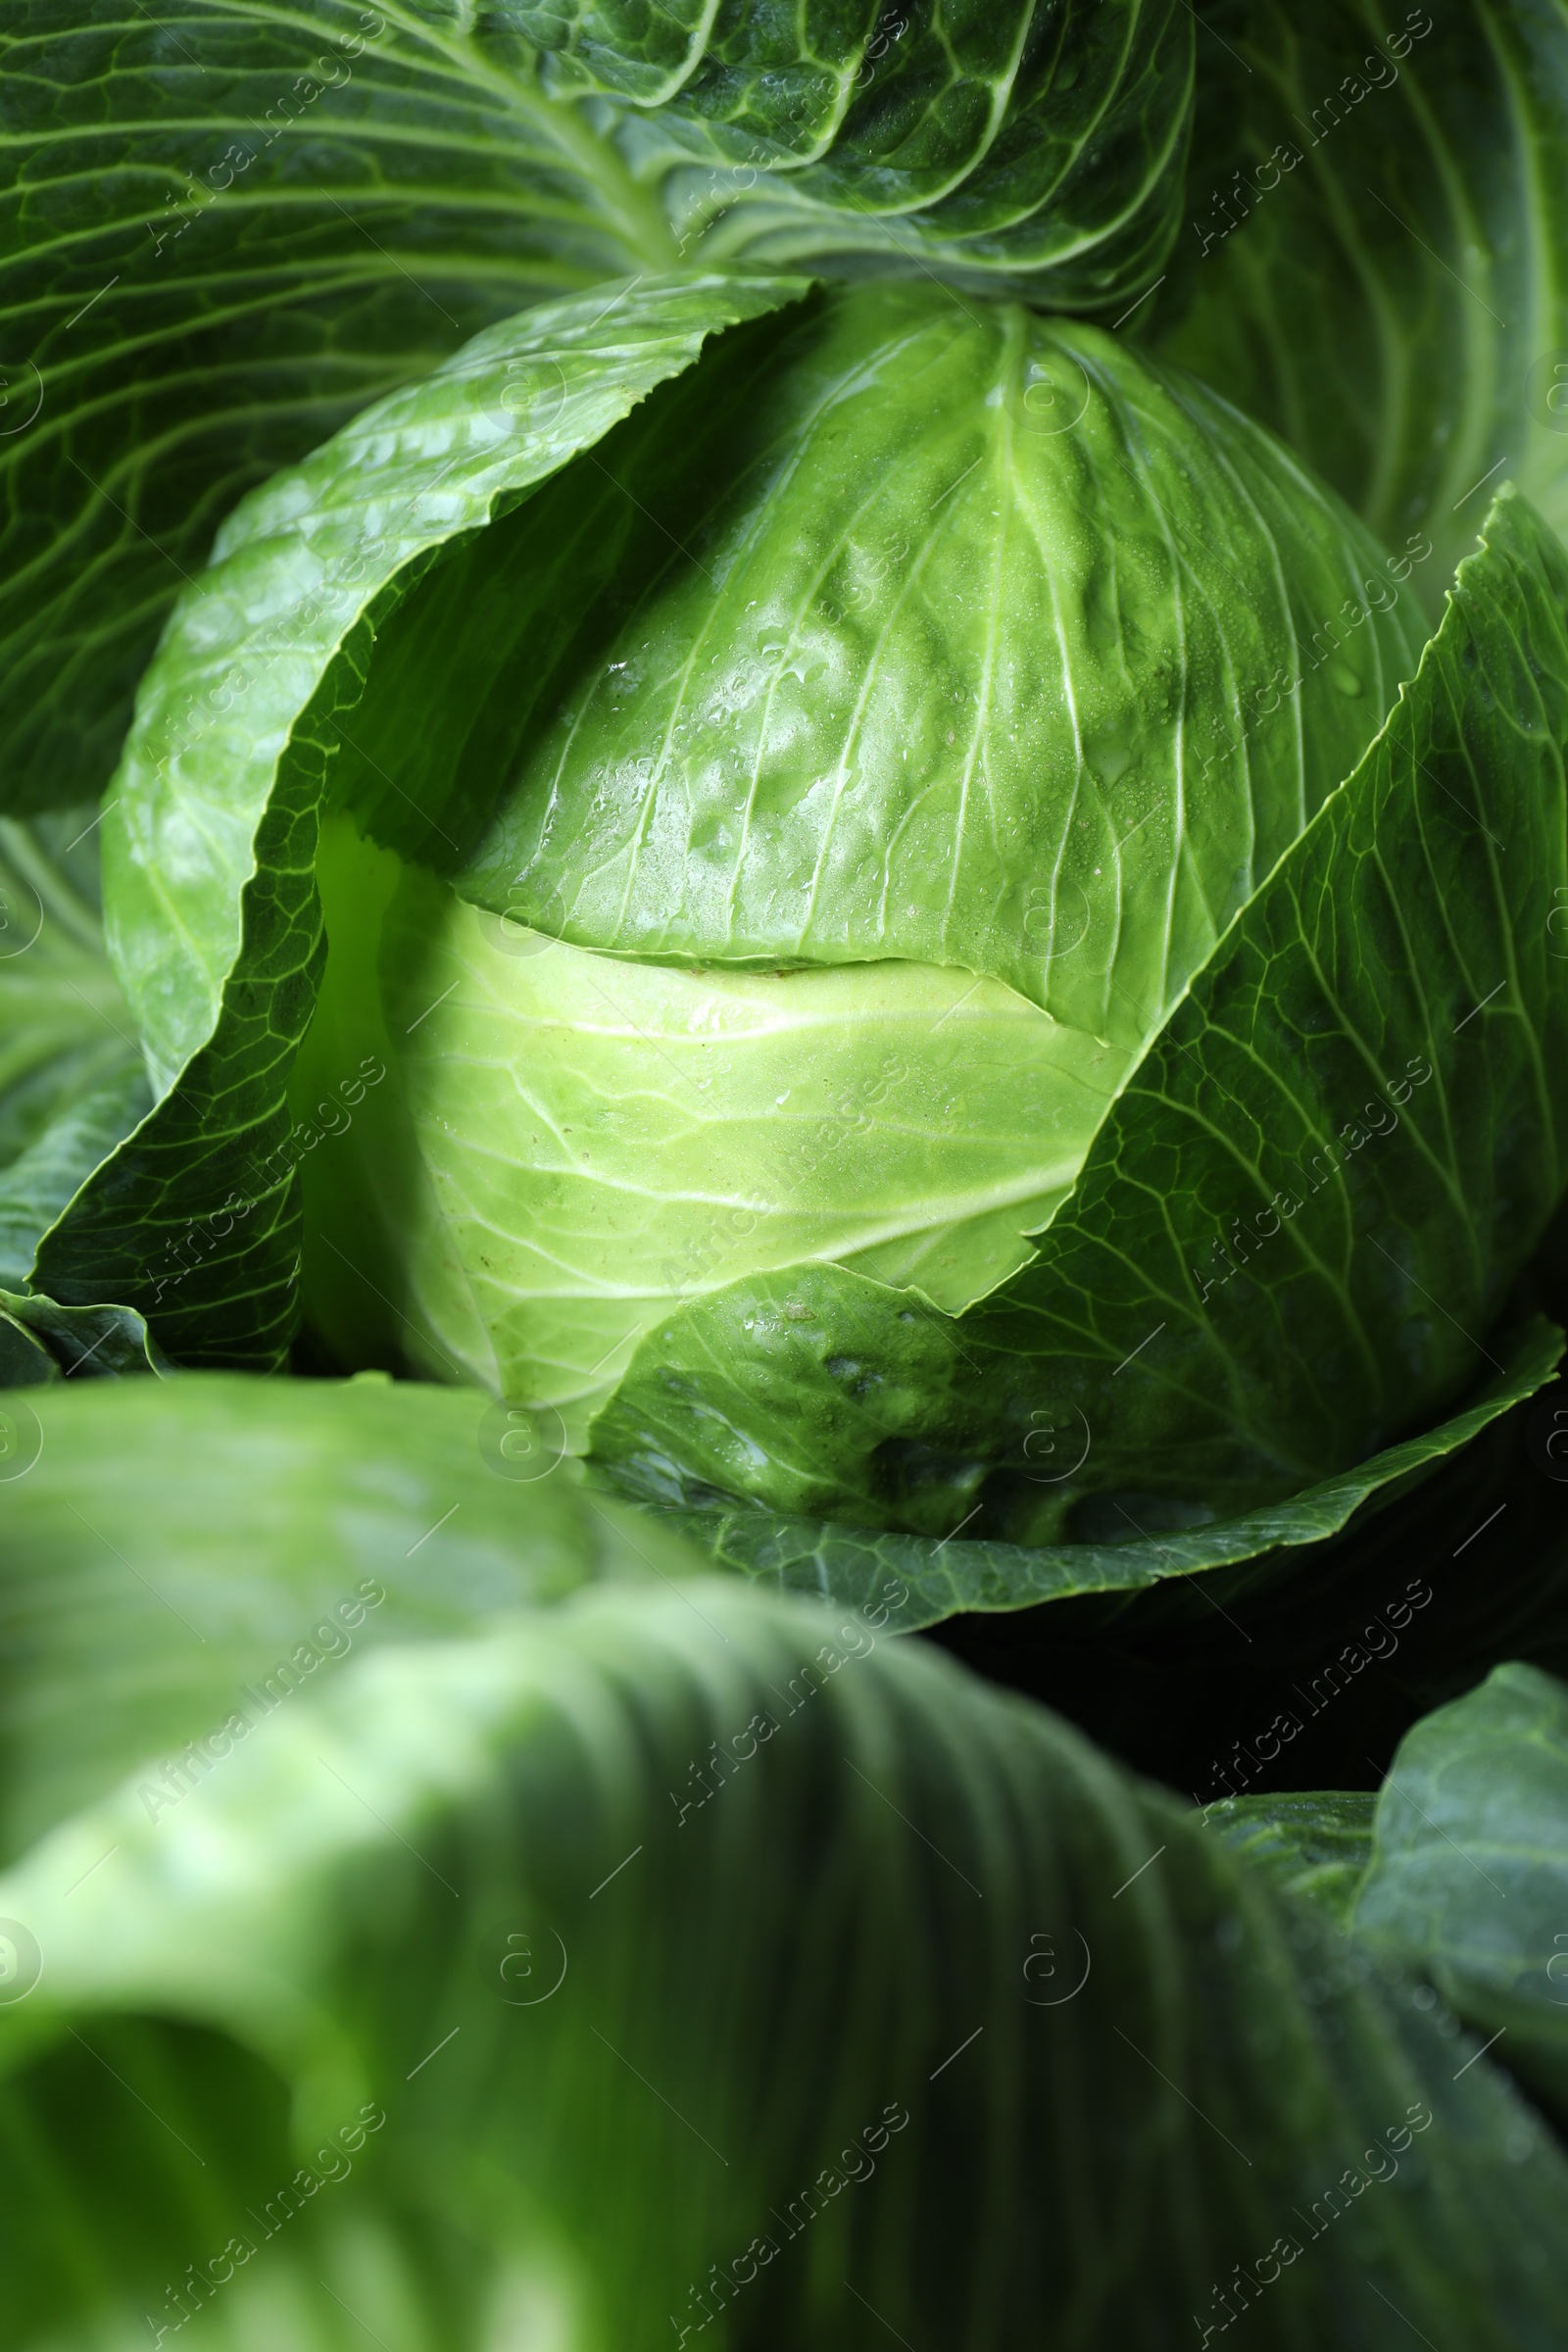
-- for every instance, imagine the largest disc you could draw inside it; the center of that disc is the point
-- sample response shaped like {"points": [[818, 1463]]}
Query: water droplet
{"points": [[1341, 675]]}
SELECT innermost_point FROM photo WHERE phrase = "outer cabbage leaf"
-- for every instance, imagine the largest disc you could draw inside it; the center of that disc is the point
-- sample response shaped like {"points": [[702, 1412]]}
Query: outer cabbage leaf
{"points": [[42, 1342], [448, 1894], [936, 1579], [1469, 1869], [67, 1043], [210, 839], [226, 227], [1458, 1864], [1375, 257], [1304, 1214], [1015, 139], [42, 1180], [130, 1631], [71, 1080]]}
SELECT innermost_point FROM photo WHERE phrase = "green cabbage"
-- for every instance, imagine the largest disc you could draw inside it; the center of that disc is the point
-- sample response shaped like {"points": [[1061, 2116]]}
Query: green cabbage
{"points": [[883, 702], [841, 986], [813, 882]]}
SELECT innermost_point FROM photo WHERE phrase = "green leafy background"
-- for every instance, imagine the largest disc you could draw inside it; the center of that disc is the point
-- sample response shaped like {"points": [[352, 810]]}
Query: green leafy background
{"points": [[228, 229], [319, 1926]]}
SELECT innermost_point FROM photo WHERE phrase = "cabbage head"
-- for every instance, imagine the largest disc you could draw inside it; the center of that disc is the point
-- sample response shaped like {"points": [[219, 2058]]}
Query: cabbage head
{"points": [[913, 929]]}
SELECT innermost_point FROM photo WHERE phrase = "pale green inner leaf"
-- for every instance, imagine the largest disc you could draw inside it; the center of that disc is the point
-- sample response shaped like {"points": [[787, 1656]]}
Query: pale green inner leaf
{"points": [[634, 1134]]}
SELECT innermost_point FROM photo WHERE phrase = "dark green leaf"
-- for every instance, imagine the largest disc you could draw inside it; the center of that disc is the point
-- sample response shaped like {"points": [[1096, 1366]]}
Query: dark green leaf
{"points": [[1469, 1872], [43, 1179], [226, 228], [927, 1580], [72, 1079], [987, 138], [67, 1042], [1375, 255], [46, 1342]]}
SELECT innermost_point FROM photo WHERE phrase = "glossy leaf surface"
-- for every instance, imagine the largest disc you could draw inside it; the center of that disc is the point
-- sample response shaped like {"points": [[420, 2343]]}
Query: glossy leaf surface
{"points": [[1294, 1228]]}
